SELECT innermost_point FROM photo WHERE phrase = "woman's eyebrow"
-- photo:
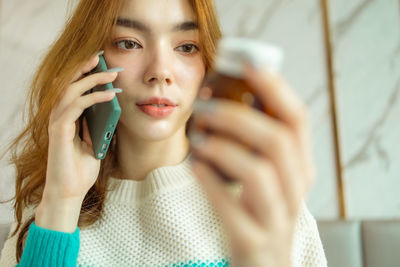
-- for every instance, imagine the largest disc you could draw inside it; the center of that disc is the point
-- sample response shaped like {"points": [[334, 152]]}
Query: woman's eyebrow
{"points": [[185, 26], [137, 25]]}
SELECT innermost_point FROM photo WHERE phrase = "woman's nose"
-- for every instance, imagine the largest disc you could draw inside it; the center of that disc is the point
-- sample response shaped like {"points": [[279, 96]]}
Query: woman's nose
{"points": [[159, 68]]}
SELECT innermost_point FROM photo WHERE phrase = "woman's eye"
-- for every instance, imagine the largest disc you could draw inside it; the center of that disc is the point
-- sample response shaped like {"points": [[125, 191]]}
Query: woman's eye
{"points": [[127, 44], [188, 48]]}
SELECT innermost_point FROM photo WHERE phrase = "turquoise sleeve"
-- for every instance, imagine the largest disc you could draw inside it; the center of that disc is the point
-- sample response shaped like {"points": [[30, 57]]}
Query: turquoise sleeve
{"points": [[46, 247]]}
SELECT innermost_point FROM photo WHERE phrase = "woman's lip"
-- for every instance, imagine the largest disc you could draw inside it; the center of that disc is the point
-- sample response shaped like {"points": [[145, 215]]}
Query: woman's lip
{"points": [[157, 112], [158, 101]]}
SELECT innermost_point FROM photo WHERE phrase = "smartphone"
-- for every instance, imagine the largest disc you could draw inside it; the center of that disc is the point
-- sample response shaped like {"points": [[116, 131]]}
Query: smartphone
{"points": [[102, 118]]}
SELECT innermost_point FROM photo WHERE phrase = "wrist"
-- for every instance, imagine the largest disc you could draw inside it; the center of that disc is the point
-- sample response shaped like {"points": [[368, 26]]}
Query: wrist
{"points": [[58, 214]]}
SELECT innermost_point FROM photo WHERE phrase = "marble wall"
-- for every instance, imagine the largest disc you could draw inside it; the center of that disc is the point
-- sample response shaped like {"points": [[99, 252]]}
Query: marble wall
{"points": [[366, 53], [366, 43]]}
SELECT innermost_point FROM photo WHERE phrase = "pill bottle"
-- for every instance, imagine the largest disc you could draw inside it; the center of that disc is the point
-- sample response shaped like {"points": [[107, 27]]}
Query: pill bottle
{"points": [[226, 78]]}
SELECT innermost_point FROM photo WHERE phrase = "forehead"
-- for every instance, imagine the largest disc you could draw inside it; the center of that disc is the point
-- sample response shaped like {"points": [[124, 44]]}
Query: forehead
{"points": [[158, 12]]}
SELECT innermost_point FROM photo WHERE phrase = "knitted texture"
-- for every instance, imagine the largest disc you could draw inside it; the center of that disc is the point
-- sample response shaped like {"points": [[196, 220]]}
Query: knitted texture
{"points": [[46, 247], [167, 220]]}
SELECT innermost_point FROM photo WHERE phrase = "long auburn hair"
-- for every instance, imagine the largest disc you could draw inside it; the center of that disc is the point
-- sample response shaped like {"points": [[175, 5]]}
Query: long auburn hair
{"points": [[85, 33]]}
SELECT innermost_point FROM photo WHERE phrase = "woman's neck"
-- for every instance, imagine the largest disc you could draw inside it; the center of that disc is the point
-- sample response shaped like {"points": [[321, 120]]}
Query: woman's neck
{"points": [[136, 158]]}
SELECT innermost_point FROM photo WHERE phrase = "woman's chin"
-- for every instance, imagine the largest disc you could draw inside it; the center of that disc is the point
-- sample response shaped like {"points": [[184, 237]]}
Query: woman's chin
{"points": [[155, 135], [154, 131]]}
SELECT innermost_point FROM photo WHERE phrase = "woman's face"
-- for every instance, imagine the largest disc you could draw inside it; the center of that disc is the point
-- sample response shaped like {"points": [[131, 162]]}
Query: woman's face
{"points": [[156, 42]]}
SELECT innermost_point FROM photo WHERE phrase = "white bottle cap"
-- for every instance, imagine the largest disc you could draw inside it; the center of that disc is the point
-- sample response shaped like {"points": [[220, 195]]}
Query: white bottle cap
{"points": [[232, 52]]}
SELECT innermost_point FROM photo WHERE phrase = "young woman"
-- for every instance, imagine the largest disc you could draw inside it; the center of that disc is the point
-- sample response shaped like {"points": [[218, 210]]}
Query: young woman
{"points": [[148, 203]]}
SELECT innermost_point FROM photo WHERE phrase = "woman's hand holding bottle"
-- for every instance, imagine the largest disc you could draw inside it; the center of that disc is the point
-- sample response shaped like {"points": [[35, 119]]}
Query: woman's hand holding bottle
{"points": [[275, 179]]}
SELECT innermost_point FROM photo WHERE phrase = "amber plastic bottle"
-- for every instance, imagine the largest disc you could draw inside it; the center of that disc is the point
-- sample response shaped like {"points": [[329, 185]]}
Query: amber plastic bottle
{"points": [[225, 80]]}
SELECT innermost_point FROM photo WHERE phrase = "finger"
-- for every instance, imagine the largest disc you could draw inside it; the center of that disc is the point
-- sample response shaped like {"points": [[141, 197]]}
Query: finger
{"points": [[278, 97], [75, 110], [89, 65], [78, 88], [261, 190], [235, 219], [263, 134], [82, 86]]}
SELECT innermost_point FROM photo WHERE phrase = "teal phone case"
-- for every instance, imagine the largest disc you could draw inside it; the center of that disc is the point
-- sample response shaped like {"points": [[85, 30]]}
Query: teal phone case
{"points": [[103, 117]]}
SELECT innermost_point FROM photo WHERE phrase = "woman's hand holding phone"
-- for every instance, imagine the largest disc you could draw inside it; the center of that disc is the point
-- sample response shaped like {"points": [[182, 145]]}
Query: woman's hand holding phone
{"points": [[72, 168]]}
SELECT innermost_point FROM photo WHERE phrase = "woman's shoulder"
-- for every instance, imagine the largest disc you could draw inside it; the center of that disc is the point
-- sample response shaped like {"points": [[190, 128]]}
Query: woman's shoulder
{"points": [[307, 245]]}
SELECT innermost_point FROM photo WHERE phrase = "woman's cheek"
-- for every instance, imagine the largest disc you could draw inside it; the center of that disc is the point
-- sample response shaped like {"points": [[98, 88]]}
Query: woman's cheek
{"points": [[193, 72], [130, 62], [128, 77]]}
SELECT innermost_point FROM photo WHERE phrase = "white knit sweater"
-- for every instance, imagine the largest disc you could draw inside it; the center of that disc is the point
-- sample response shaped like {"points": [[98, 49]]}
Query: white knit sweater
{"points": [[167, 220]]}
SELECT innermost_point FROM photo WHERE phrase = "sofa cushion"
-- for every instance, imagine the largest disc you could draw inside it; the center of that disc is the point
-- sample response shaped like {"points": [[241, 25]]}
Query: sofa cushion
{"points": [[342, 243], [381, 241]]}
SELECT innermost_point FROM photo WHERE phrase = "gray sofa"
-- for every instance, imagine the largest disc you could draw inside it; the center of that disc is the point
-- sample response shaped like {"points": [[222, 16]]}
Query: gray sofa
{"points": [[358, 244], [346, 243]]}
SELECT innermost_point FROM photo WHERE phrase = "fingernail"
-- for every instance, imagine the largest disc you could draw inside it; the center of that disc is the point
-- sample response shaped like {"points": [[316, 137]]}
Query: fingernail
{"points": [[208, 106], [115, 70], [101, 52], [116, 90], [197, 139]]}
